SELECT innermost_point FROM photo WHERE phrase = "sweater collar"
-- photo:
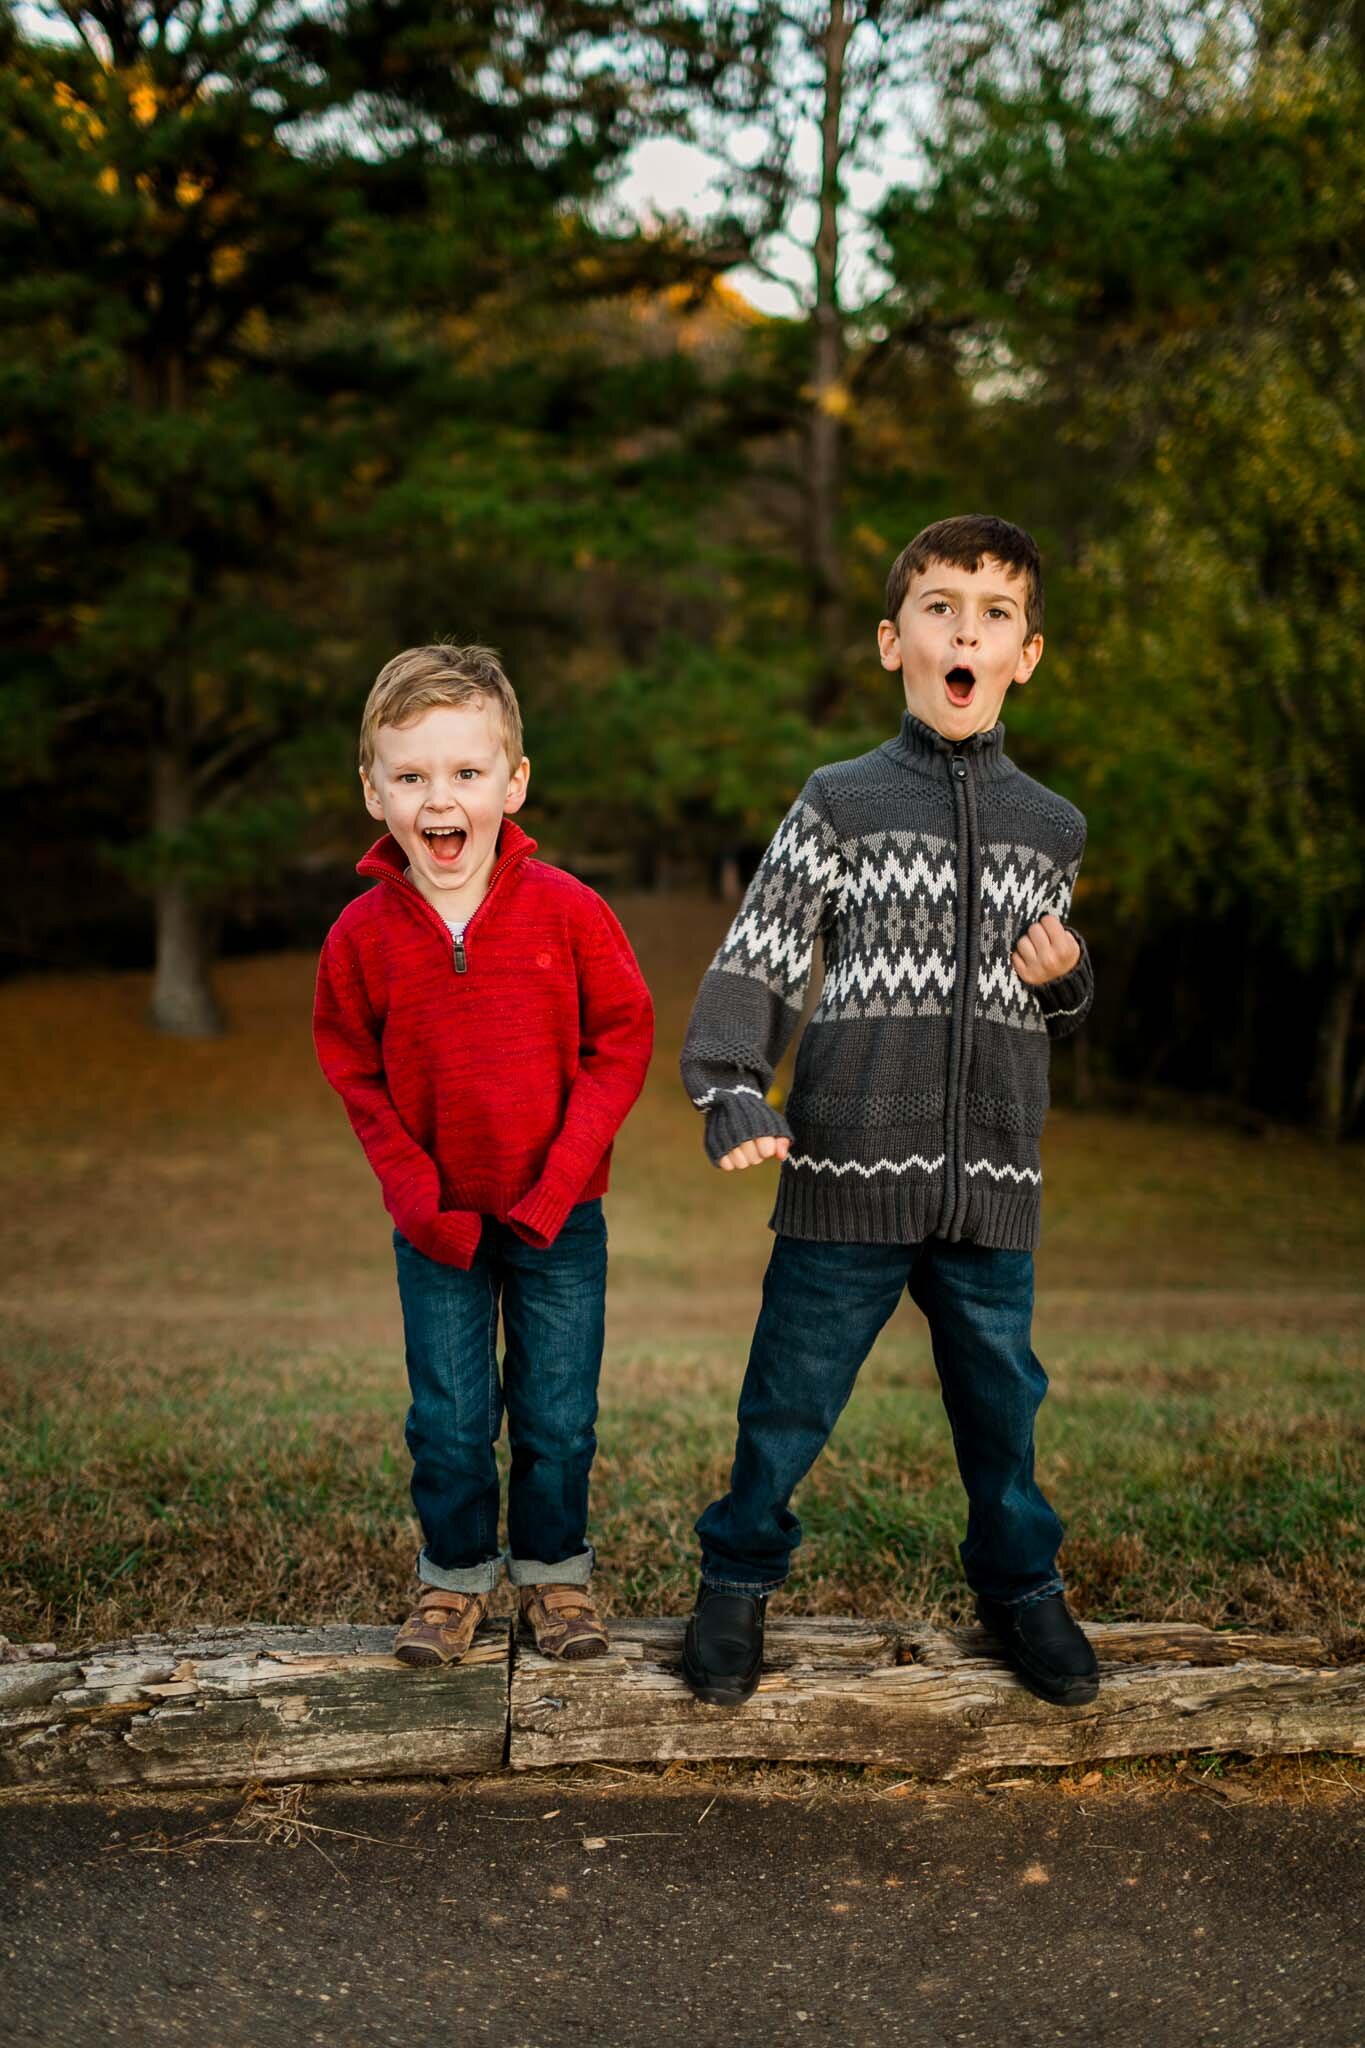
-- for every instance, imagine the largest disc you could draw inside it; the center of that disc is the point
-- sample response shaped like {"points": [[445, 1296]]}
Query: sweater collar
{"points": [[387, 860], [919, 746]]}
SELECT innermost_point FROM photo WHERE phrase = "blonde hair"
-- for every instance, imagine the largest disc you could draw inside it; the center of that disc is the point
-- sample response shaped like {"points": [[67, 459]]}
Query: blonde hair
{"points": [[421, 677]]}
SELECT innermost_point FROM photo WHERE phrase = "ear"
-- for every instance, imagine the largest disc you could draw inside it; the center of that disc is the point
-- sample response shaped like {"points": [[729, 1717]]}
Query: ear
{"points": [[374, 802], [889, 644], [1030, 654], [517, 787]]}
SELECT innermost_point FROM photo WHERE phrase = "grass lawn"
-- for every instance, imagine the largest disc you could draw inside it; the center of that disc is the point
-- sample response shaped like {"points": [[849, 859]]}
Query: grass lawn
{"points": [[202, 1387]]}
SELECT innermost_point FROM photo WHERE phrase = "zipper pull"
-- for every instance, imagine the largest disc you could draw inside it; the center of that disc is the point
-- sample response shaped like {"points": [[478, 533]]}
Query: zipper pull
{"points": [[959, 768], [461, 964]]}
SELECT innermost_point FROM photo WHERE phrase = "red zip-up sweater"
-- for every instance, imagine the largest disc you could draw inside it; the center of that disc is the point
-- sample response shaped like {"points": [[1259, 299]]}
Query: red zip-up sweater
{"points": [[486, 1077]]}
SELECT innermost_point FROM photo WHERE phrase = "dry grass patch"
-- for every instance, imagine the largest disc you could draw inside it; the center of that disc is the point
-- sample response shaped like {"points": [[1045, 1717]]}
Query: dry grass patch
{"points": [[202, 1383]]}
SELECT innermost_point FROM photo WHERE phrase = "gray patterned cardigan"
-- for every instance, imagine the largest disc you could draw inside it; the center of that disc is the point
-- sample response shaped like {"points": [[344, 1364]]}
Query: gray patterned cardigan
{"points": [[922, 1078]]}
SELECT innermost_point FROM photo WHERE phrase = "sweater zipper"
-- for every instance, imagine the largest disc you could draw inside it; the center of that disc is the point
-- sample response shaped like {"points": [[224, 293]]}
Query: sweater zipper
{"points": [[461, 957], [461, 960], [954, 1178]]}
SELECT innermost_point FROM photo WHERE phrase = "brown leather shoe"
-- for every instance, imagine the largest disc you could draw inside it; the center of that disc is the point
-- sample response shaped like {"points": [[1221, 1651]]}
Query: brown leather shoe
{"points": [[563, 1620], [441, 1627]]}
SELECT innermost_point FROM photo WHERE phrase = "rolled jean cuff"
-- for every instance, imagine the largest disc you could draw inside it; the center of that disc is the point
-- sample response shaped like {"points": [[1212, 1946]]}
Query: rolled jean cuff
{"points": [[757, 1589], [1054, 1585], [572, 1571], [468, 1578]]}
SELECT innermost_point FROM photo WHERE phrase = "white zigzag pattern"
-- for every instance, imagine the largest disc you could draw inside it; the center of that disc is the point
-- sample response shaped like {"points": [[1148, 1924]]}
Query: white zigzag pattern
{"points": [[838, 1167], [797, 854], [867, 977], [998, 978], [1019, 888], [705, 1101], [1005, 1172], [889, 876]]}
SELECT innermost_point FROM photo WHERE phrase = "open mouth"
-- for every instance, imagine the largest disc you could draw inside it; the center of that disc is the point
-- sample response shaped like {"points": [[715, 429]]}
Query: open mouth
{"points": [[445, 843], [959, 683]]}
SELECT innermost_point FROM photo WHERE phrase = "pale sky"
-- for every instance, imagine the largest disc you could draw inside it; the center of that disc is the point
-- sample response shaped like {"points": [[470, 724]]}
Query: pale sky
{"points": [[668, 177]]}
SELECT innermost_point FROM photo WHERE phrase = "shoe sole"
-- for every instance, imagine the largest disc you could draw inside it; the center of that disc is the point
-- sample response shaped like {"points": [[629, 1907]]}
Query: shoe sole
{"points": [[1076, 1691], [423, 1659], [712, 1694]]}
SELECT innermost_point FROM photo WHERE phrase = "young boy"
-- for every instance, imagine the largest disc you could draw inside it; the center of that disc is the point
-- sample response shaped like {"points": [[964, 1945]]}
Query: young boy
{"points": [[938, 878], [485, 1023]]}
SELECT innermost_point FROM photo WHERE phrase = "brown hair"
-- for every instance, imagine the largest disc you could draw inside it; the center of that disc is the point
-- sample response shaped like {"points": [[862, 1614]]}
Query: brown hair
{"points": [[421, 677], [964, 543]]}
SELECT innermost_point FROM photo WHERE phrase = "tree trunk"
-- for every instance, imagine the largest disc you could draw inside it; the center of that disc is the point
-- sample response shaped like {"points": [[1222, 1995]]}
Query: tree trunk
{"points": [[825, 445], [1334, 1036], [183, 1001]]}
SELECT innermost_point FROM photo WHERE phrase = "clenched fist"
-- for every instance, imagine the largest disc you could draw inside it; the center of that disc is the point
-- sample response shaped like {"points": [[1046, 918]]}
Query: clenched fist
{"points": [[753, 1152], [1046, 951]]}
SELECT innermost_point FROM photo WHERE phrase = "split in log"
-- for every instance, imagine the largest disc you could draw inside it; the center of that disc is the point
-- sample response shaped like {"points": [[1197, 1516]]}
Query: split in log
{"points": [[287, 1705], [936, 1702]]}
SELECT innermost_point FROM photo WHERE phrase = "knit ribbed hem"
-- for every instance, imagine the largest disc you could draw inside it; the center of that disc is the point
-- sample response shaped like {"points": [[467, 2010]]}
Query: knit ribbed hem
{"points": [[451, 1237], [1066, 1001], [540, 1216], [856, 1211], [537, 1213], [737, 1115]]}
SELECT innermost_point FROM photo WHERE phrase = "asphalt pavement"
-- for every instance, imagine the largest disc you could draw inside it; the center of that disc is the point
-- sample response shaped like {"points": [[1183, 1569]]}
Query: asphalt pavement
{"points": [[521, 1911]]}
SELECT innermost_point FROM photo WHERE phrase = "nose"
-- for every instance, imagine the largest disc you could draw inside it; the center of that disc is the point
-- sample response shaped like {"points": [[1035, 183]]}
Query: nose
{"points": [[966, 634]]}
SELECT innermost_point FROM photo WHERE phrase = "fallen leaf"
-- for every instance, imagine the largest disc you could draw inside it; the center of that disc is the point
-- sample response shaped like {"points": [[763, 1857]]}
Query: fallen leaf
{"points": [[1010, 1785], [553, 1814], [1091, 1778], [594, 1841]]}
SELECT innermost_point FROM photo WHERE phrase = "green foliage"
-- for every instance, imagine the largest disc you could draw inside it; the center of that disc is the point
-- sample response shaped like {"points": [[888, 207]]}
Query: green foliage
{"points": [[1173, 307]]}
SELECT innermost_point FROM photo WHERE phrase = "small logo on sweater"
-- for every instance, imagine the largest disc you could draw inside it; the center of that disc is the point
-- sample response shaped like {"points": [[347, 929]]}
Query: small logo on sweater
{"points": [[543, 959]]}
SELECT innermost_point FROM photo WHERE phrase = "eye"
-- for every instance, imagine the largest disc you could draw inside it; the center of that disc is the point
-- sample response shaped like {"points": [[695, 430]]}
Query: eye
{"points": [[468, 771], [939, 604], [409, 775], [997, 611]]}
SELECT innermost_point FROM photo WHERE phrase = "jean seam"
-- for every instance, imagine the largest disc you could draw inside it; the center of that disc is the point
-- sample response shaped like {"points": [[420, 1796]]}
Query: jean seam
{"points": [[493, 1388]]}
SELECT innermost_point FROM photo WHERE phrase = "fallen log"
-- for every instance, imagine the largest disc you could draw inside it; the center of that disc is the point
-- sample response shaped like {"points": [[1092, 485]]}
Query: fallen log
{"points": [[936, 1701], [282, 1705], [250, 1705]]}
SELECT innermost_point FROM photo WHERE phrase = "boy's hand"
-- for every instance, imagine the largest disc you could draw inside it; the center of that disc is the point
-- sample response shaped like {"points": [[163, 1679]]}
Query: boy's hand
{"points": [[1046, 951], [754, 1151]]}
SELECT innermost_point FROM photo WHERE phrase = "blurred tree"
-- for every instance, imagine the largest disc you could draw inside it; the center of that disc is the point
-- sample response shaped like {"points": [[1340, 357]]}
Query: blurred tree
{"points": [[232, 241], [832, 84], [1166, 311]]}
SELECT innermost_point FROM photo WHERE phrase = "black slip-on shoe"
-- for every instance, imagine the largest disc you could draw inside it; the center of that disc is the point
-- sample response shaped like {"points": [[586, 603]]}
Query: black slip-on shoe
{"points": [[723, 1647], [1045, 1646]]}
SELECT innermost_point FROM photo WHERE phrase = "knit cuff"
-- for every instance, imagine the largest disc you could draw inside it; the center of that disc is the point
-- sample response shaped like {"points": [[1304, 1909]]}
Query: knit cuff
{"points": [[738, 1114], [1065, 1001], [540, 1215], [450, 1236]]}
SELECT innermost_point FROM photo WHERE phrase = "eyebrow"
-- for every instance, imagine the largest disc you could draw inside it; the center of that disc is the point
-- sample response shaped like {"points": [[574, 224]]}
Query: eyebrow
{"points": [[420, 767], [951, 590]]}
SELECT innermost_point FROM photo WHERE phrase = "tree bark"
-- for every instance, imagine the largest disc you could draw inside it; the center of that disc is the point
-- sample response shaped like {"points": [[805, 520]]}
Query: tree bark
{"points": [[279, 1705], [183, 1001], [1334, 1038], [825, 439]]}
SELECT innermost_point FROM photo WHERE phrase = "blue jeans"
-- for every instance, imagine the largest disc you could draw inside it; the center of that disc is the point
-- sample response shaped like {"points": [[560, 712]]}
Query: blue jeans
{"points": [[823, 1306], [553, 1309]]}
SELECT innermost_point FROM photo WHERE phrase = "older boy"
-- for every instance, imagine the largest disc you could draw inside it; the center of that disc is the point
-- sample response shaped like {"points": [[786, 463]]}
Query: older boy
{"points": [[938, 878], [485, 1023]]}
